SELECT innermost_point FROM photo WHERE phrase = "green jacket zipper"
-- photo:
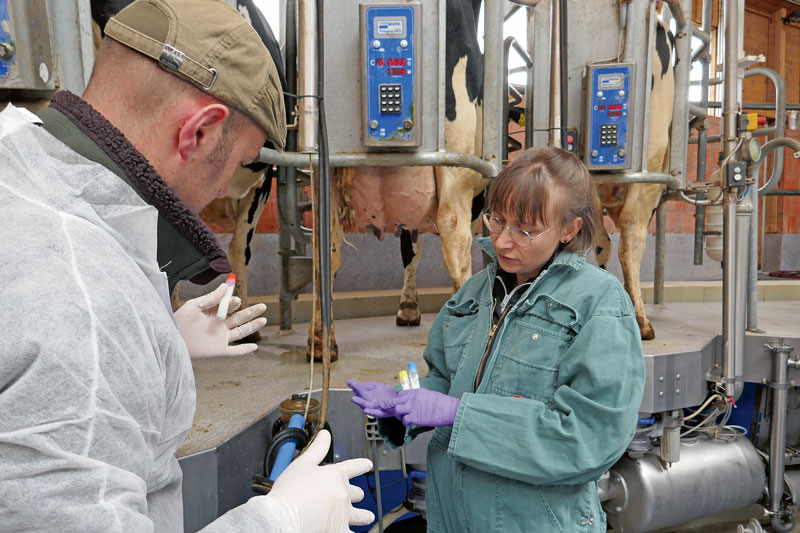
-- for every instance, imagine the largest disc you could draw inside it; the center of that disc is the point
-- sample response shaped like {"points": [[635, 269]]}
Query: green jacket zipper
{"points": [[489, 344]]}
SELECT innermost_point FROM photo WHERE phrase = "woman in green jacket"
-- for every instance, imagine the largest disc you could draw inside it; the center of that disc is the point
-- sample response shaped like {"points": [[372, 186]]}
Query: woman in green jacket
{"points": [[536, 368]]}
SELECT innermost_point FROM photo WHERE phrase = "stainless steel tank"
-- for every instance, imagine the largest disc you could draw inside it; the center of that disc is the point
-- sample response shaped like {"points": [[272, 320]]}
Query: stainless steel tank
{"points": [[712, 476]]}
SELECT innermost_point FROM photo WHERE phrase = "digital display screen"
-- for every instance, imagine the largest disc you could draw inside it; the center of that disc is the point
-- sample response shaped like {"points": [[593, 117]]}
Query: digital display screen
{"points": [[394, 71], [397, 61], [380, 62], [614, 113], [615, 106]]}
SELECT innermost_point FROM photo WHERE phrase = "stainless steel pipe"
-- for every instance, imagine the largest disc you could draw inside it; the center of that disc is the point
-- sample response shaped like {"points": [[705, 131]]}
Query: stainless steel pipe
{"points": [[730, 111], [554, 133], [409, 159], [307, 104], [777, 431]]}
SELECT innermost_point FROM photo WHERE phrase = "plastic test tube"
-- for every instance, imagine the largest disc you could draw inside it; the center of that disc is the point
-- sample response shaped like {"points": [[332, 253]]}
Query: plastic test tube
{"points": [[413, 376], [222, 311], [404, 381]]}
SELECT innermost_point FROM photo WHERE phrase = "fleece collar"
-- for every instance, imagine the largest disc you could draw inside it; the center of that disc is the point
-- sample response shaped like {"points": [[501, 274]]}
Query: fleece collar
{"points": [[182, 235]]}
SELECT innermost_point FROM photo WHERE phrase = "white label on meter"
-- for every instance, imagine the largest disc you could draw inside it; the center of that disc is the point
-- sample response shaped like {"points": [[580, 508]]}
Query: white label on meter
{"points": [[611, 81], [389, 28]]}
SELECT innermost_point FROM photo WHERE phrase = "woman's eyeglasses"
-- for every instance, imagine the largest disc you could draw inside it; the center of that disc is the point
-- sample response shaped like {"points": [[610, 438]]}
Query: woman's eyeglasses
{"points": [[520, 237]]}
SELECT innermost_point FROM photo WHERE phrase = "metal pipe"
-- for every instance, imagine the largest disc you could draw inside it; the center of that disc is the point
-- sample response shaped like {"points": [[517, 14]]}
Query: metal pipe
{"points": [[648, 79], [744, 211], [635, 51], [677, 14], [702, 144], [658, 273], [729, 138], [753, 105], [638, 177], [410, 159], [729, 369], [682, 11], [555, 124], [289, 217], [780, 114], [793, 192], [752, 253], [563, 75], [777, 430], [768, 147], [697, 111], [378, 498], [729, 102], [529, 33], [705, 39], [307, 59], [494, 92]]}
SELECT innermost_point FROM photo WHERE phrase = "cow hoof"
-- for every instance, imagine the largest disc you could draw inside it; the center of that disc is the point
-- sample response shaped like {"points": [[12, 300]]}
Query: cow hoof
{"points": [[648, 333], [318, 353], [408, 317]]}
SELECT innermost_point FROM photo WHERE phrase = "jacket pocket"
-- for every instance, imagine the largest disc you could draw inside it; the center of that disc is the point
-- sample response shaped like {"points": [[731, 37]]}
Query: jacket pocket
{"points": [[527, 361], [551, 315], [457, 331]]}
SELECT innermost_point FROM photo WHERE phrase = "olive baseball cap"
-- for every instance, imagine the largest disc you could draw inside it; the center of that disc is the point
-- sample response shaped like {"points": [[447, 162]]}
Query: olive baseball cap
{"points": [[210, 45]]}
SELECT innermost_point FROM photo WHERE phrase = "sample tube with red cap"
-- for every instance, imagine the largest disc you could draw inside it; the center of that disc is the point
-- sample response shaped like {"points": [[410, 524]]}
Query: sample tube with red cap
{"points": [[222, 311]]}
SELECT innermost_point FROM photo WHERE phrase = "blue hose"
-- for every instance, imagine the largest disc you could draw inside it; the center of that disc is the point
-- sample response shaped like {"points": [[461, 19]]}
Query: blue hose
{"points": [[286, 451]]}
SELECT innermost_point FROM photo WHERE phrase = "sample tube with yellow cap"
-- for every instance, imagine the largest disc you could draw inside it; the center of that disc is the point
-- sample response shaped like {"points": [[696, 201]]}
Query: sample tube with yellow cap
{"points": [[404, 381]]}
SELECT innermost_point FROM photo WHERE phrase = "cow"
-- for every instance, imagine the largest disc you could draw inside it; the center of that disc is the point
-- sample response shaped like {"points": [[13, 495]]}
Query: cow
{"points": [[631, 206], [408, 200]]}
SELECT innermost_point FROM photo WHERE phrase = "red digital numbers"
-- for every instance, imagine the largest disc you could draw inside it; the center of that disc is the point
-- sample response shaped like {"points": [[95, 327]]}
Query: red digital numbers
{"points": [[380, 62], [615, 106], [396, 62], [395, 71]]}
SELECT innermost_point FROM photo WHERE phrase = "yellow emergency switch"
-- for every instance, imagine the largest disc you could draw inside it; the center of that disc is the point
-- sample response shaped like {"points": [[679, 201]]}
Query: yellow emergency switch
{"points": [[752, 121]]}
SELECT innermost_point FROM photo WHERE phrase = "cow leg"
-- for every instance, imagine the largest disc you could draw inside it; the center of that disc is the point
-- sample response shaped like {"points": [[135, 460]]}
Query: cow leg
{"points": [[455, 190], [314, 344], [602, 244], [248, 210], [641, 200], [410, 248]]}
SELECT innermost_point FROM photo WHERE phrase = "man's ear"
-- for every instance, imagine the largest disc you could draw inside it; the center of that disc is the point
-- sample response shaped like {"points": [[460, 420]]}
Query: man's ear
{"points": [[201, 130]]}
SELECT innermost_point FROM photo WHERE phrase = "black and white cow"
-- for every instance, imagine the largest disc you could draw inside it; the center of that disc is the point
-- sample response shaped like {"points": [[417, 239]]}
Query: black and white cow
{"points": [[409, 200], [631, 206]]}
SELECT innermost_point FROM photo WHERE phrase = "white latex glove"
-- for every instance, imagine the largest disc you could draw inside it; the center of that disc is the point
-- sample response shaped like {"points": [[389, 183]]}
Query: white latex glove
{"points": [[205, 336], [308, 498]]}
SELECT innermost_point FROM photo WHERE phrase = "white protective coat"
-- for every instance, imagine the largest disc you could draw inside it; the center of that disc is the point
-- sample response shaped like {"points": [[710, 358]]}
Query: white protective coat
{"points": [[96, 385]]}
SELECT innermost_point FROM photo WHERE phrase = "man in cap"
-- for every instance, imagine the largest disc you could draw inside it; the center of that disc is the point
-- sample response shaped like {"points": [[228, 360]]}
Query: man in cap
{"points": [[99, 196]]}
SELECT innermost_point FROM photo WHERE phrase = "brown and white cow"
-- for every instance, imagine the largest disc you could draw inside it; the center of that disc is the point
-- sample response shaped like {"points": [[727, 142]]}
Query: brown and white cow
{"points": [[409, 200], [631, 206]]}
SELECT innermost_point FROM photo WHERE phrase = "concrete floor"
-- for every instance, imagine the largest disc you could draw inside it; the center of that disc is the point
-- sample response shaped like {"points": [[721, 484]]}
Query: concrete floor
{"points": [[232, 393]]}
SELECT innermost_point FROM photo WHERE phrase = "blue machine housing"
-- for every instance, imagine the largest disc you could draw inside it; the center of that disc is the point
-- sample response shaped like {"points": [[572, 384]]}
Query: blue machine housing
{"points": [[607, 119], [390, 91]]}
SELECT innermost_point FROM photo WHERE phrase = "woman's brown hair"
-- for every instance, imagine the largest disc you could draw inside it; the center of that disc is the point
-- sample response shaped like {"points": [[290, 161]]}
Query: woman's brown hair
{"points": [[551, 186]]}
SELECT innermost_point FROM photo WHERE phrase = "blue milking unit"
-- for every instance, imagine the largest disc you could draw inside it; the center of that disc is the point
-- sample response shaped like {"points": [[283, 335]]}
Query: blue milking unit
{"points": [[391, 91], [607, 117]]}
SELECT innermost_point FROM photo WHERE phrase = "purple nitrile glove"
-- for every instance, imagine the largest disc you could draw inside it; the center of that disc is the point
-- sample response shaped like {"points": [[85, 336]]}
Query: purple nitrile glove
{"points": [[425, 407], [376, 399]]}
